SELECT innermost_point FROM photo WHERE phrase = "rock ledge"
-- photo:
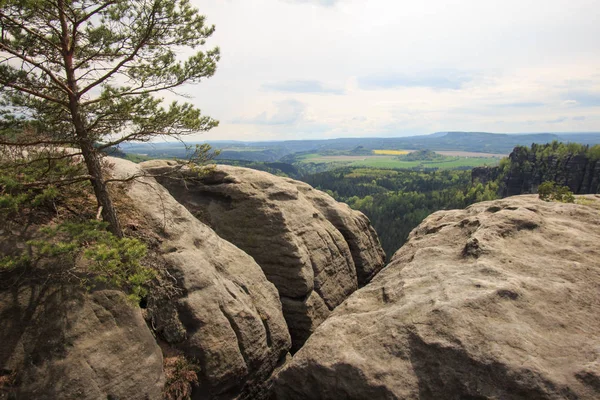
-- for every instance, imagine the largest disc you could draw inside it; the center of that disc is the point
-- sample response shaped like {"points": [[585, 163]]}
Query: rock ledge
{"points": [[497, 301]]}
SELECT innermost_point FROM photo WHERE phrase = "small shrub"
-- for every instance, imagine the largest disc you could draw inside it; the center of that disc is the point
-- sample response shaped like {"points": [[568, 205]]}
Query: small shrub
{"points": [[564, 195], [109, 259], [181, 375], [545, 190], [38, 181], [550, 191]]}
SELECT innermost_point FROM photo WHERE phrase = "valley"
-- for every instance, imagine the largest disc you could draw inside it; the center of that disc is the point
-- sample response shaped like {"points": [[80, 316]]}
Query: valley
{"points": [[368, 200], [452, 159], [395, 187]]}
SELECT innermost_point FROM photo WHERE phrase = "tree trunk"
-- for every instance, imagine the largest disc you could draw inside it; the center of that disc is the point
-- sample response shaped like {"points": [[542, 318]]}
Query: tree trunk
{"points": [[86, 143], [109, 214]]}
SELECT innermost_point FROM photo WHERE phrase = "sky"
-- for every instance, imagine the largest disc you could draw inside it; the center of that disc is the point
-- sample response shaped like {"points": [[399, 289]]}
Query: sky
{"points": [[321, 69]]}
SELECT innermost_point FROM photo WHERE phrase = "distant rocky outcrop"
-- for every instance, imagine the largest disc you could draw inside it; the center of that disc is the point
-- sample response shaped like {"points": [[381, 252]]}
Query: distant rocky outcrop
{"points": [[222, 312], [484, 174], [577, 171], [526, 168], [62, 343], [315, 250], [497, 301]]}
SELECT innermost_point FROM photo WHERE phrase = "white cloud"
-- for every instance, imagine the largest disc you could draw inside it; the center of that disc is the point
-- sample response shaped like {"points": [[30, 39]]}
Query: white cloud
{"points": [[326, 3], [302, 86], [400, 68], [569, 103], [286, 112]]}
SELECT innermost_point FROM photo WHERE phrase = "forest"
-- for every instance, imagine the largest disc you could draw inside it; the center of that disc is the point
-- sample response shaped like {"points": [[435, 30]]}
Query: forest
{"points": [[396, 200]]}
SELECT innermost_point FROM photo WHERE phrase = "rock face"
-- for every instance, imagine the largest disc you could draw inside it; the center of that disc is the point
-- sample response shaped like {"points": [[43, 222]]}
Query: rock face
{"points": [[497, 301], [222, 311], [315, 250], [484, 174], [367, 253], [65, 344], [580, 173], [577, 171]]}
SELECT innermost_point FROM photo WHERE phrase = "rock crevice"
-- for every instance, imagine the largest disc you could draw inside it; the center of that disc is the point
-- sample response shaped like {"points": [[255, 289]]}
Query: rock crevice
{"points": [[315, 250], [222, 312]]}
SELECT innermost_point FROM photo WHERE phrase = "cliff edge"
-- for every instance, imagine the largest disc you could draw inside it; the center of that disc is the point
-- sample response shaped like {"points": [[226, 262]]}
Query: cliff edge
{"points": [[499, 300]]}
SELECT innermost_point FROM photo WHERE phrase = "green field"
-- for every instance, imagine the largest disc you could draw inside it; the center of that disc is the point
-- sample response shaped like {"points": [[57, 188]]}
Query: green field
{"points": [[243, 148], [452, 162], [393, 162]]}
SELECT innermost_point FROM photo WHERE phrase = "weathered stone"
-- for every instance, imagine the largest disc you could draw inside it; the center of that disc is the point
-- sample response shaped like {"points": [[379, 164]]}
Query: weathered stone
{"points": [[65, 344], [224, 313], [367, 253], [497, 301], [311, 247]]}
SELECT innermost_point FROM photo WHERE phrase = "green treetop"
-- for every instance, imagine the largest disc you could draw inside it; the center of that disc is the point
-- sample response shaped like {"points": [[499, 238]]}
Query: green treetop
{"points": [[87, 74]]}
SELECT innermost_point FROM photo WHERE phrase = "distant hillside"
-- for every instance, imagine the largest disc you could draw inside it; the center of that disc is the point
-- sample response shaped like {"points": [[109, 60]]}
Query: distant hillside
{"points": [[464, 141], [485, 142], [480, 142]]}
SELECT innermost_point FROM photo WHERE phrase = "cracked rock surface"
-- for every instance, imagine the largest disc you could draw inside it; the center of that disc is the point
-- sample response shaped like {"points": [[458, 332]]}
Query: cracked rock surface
{"points": [[315, 250], [497, 301], [67, 344], [223, 313]]}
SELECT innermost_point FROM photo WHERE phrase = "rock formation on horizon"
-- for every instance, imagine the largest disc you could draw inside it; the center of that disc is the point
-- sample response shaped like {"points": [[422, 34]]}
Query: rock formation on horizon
{"points": [[528, 167], [497, 301], [315, 250]]}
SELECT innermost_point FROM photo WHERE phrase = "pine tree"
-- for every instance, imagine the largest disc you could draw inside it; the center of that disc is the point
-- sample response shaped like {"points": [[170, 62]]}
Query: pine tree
{"points": [[87, 74]]}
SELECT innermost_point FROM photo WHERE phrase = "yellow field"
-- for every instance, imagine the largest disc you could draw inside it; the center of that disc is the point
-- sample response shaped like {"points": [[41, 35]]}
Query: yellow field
{"points": [[391, 152]]}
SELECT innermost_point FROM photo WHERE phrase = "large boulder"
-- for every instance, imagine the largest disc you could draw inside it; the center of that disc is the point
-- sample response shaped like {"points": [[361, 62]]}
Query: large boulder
{"points": [[367, 253], [61, 343], [221, 311], [497, 301], [315, 250]]}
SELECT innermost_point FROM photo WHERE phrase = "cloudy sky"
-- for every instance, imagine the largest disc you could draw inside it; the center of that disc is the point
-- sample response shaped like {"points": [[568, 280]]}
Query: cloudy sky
{"points": [[300, 69]]}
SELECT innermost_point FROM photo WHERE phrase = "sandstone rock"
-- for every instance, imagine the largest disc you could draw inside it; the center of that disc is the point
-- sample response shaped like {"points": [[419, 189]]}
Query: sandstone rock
{"points": [[65, 344], [578, 172], [367, 253], [224, 313], [311, 247], [497, 301]]}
